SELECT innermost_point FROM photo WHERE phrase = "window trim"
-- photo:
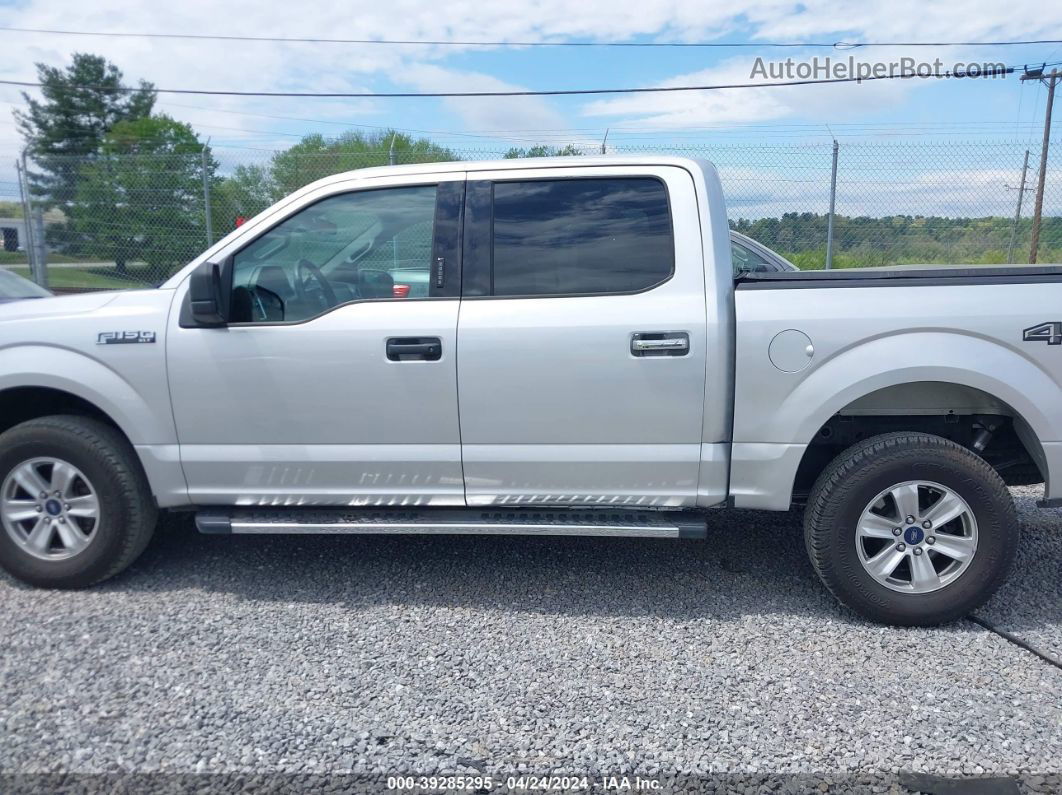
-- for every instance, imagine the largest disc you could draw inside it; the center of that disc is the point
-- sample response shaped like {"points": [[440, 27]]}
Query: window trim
{"points": [[478, 258], [447, 225]]}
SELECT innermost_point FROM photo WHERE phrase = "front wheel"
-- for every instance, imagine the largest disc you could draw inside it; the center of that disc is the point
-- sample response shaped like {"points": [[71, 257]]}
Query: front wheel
{"points": [[75, 507], [910, 529]]}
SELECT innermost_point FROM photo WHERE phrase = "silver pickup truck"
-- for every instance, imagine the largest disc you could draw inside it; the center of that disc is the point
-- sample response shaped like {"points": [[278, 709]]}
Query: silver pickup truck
{"points": [[579, 359]]}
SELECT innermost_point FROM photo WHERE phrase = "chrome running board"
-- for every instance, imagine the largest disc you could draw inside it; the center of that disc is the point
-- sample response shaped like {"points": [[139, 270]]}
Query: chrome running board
{"points": [[459, 521]]}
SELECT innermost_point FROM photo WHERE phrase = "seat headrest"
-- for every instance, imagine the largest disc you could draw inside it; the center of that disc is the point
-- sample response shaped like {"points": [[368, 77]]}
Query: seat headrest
{"points": [[275, 279]]}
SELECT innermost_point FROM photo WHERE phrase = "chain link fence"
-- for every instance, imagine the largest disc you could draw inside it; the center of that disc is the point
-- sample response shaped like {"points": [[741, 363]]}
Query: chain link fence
{"points": [[128, 220]]}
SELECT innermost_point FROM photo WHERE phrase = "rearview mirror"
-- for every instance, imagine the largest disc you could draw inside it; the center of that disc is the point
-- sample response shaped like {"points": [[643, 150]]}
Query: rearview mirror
{"points": [[207, 294]]}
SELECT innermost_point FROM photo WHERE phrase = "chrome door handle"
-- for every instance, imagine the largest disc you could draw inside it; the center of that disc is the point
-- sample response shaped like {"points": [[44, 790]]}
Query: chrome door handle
{"points": [[661, 345], [655, 343]]}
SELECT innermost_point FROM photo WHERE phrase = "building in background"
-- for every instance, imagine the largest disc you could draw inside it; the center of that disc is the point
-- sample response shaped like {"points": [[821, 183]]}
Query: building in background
{"points": [[12, 234]]}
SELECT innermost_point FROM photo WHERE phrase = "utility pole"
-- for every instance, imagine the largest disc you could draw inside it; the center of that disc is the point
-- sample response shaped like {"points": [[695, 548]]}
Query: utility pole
{"points": [[604, 140], [391, 157], [27, 246], [38, 269], [40, 251], [1051, 80], [833, 205], [206, 194], [1017, 212]]}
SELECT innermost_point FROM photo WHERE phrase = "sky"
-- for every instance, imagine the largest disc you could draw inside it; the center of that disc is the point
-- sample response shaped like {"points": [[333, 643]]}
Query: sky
{"points": [[243, 129]]}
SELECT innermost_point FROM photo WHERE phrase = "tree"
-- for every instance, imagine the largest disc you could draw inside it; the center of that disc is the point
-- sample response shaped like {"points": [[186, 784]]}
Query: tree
{"points": [[541, 150], [315, 156], [249, 189], [141, 197], [243, 194], [81, 103]]}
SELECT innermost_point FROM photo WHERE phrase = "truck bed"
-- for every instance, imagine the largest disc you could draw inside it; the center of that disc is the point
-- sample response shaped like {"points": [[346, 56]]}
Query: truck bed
{"points": [[928, 276]]}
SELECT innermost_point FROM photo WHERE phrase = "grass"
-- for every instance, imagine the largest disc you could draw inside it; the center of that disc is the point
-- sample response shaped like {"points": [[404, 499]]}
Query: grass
{"points": [[13, 258], [60, 278], [19, 258], [815, 259]]}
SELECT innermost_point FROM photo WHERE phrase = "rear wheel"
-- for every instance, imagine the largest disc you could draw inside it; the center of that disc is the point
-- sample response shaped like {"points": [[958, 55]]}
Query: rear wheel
{"points": [[75, 507], [910, 529]]}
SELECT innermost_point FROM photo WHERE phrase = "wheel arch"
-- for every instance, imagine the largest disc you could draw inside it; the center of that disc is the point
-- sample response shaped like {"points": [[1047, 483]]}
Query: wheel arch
{"points": [[60, 371], [20, 404], [970, 416], [965, 364], [973, 363], [39, 380]]}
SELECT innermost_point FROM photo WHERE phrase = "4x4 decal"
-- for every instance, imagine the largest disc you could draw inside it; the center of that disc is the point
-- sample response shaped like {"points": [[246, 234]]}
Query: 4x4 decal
{"points": [[1051, 333]]}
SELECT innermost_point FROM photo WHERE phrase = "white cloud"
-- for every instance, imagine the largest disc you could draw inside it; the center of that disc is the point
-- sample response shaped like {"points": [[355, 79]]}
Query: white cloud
{"points": [[190, 63], [485, 113], [907, 20], [829, 102], [802, 184], [827, 20], [244, 65]]}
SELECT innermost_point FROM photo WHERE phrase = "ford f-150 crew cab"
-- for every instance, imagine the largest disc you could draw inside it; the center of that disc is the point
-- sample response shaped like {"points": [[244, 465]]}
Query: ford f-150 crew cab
{"points": [[544, 347]]}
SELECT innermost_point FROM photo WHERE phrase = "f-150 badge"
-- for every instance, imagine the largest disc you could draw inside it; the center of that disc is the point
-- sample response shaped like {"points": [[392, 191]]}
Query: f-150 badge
{"points": [[124, 337]]}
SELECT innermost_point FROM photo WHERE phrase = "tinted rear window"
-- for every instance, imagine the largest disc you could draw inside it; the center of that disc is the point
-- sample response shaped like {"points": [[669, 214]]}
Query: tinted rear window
{"points": [[581, 236]]}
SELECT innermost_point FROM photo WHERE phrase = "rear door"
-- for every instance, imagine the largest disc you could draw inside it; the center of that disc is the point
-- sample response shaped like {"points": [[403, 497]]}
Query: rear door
{"points": [[581, 338]]}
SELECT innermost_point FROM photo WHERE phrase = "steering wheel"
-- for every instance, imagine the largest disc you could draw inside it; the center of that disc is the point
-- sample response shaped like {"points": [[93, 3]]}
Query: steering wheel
{"points": [[306, 267]]}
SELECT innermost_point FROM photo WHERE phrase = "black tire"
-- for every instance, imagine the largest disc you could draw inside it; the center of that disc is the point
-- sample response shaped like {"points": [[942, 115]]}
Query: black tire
{"points": [[856, 476], [127, 510]]}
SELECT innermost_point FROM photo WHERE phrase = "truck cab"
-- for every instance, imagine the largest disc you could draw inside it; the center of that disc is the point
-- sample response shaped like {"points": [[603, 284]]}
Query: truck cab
{"points": [[558, 355]]}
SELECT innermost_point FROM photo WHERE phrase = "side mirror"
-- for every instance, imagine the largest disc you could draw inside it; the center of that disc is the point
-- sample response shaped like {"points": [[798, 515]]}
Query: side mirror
{"points": [[208, 295], [376, 284]]}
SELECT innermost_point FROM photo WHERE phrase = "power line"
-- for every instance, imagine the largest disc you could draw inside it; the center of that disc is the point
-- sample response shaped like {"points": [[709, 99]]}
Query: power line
{"points": [[542, 93], [469, 134], [841, 45]]}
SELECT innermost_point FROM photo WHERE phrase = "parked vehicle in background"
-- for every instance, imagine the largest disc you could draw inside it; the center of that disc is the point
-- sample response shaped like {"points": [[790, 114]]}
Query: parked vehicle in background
{"points": [[579, 359], [750, 256], [14, 287]]}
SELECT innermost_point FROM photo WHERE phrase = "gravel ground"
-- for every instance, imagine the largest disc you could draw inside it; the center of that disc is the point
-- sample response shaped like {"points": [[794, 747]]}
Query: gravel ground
{"points": [[499, 655], [1030, 604]]}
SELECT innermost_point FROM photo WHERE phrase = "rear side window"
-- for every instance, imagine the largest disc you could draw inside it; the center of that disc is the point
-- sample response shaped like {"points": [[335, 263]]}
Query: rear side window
{"points": [[581, 236], [745, 259]]}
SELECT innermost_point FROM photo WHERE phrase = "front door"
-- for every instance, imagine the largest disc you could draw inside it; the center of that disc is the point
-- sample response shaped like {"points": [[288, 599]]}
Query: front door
{"points": [[334, 383], [582, 338]]}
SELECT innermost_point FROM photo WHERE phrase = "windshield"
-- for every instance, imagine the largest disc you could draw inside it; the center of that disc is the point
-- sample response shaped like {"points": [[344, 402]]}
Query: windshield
{"points": [[14, 286]]}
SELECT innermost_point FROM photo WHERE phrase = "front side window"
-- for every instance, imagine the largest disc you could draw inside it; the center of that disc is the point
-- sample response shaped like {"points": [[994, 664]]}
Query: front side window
{"points": [[369, 244], [580, 236]]}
